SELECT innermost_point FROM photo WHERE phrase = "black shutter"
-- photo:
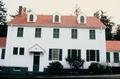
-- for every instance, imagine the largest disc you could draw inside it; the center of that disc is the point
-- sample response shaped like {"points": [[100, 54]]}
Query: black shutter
{"points": [[60, 55], [79, 54], [87, 55], [98, 58], [68, 53], [3, 54], [50, 54]]}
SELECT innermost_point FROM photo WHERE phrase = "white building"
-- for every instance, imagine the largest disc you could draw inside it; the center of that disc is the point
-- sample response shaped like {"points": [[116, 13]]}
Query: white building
{"points": [[33, 41]]}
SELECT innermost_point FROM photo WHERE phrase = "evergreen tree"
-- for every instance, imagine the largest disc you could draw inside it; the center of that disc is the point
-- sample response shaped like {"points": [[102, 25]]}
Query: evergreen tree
{"points": [[106, 20], [3, 23], [117, 35]]}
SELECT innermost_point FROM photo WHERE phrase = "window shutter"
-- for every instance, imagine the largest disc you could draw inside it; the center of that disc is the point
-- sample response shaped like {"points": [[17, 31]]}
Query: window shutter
{"points": [[50, 54], [60, 55], [79, 54], [68, 53], [87, 55], [98, 57], [3, 54]]}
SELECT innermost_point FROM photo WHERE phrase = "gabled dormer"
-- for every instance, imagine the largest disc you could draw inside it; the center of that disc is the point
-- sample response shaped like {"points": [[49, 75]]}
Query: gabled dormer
{"points": [[56, 18], [81, 19], [31, 17]]}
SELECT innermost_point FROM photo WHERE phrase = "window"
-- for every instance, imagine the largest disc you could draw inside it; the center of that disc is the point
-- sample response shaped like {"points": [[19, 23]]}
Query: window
{"points": [[74, 53], [108, 57], [116, 57], [38, 32], [3, 54], [55, 54], [21, 52], [56, 18], [92, 55], [15, 51], [92, 34], [82, 19], [20, 32], [55, 33], [74, 33], [31, 17]]}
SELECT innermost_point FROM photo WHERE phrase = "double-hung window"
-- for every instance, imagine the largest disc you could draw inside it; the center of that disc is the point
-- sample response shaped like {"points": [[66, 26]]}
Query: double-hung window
{"points": [[74, 33], [20, 32]]}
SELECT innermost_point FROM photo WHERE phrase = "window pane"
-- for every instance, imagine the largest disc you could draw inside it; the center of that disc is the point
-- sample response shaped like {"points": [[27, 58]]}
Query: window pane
{"points": [[20, 32], [38, 32], [108, 57], [55, 33], [116, 57], [15, 51], [92, 34], [74, 34], [31, 17], [82, 19], [3, 54], [92, 55], [56, 18], [21, 51], [74, 53], [55, 54]]}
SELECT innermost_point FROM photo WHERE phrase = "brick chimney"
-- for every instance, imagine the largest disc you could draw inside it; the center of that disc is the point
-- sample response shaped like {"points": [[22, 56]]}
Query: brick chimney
{"points": [[22, 11]]}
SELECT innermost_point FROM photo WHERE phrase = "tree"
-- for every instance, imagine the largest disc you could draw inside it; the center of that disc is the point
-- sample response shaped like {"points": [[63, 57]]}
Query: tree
{"points": [[117, 35], [77, 11], [3, 23], [106, 20]]}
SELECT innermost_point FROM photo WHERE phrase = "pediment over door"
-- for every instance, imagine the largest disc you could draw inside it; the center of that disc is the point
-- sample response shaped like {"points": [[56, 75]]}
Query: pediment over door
{"points": [[36, 49]]}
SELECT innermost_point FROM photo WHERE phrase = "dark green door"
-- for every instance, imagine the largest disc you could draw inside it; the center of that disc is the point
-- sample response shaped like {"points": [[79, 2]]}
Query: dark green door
{"points": [[36, 63]]}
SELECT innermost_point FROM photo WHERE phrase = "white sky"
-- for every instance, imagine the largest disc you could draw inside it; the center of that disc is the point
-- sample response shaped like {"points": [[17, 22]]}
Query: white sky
{"points": [[66, 7]]}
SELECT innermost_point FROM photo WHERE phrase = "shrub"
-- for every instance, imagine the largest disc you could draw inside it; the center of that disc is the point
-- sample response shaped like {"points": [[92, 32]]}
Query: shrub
{"points": [[75, 62], [55, 67], [97, 68]]}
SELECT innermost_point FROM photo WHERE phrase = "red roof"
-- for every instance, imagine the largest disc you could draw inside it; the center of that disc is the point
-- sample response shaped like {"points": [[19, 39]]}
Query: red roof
{"points": [[113, 46], [66, 21], [2, 41]]}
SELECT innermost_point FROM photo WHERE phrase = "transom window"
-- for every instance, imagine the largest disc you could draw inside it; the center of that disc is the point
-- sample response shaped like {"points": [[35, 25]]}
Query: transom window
{"points": [[92, 55], [55, 54], [20, 32], [55, 33], [92, 34], [38, 32], [74, 33]]}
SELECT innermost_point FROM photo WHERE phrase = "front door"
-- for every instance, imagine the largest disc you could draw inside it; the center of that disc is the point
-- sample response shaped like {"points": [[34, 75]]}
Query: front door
{"points": [[36, 60]]}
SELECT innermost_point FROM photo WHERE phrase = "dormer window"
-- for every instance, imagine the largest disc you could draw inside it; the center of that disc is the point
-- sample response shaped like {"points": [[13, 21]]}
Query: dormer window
{"points": [[82, 19], [56, 18], [31, 17]]}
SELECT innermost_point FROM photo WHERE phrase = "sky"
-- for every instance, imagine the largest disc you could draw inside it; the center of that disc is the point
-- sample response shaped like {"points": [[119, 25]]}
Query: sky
{"points": [[66, 7]]}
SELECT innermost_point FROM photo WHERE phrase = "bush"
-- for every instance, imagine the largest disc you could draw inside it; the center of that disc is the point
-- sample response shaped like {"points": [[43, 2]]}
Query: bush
{"points": [[75, 63], [55, 67], [97, 68]]}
